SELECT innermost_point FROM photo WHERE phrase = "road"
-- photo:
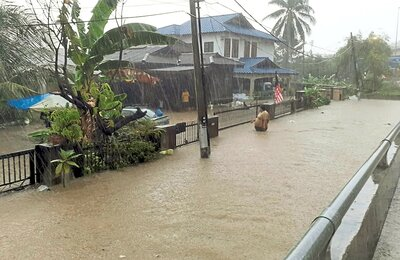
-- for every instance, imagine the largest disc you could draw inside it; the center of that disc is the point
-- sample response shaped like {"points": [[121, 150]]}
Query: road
{"points": [[253, 198]]}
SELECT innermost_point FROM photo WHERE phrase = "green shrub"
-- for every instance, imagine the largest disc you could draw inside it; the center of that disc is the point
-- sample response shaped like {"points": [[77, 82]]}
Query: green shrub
{"points": [[66, 122], [314, 97]]}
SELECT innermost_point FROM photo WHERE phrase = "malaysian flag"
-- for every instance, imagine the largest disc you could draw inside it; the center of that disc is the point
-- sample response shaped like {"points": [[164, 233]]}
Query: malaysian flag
{"points": [[278, 98]]}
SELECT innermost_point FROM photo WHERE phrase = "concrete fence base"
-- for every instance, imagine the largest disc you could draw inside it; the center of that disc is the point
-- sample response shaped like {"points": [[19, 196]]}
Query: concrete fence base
{"points": [[357, 236]]}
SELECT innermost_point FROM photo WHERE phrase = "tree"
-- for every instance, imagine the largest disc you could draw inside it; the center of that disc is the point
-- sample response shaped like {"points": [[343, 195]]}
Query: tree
{"points": [[22, 52], [372, 56], [86, 45], [293, 23], [376, 53]]}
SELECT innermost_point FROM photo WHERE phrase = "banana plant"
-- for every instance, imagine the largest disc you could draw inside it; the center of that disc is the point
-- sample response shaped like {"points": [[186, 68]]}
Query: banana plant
{"points": [[87, 45], [65, 164]]}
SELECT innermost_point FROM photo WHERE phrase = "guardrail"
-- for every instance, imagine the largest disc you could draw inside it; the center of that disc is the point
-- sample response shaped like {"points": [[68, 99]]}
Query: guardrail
{"points": [[314, 243]]}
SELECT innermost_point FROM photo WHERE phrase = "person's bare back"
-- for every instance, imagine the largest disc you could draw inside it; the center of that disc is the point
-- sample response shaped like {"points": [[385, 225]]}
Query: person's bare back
{"points": [[261, 122]]}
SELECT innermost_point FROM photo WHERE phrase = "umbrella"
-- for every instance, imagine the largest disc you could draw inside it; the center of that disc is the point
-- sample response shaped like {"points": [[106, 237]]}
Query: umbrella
{"points": [[51, 101], [40, 102]]}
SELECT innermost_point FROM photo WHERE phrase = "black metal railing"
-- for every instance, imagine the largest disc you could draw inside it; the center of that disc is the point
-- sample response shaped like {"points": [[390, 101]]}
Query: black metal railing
{"points": [[236, 116], [96, 156], [186, 133], [17, 170], [283, 108]]}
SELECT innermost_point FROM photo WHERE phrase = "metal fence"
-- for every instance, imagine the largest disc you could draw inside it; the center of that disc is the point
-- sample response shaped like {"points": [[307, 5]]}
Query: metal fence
{"points": [[282, 109], [96, 156], [186, 133], [17, 170], [236, 116], [314, 243]]}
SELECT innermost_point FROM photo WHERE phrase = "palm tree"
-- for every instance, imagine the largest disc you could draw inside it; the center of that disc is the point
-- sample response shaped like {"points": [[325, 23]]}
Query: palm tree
{"points": [[293, 22], [22, 53], [22, 49]]}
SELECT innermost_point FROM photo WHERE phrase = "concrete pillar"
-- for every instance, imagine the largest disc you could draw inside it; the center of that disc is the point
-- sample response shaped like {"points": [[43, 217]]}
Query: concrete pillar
{"points": [[45, 153], [213, 126], [168, 138], [251, 87]]}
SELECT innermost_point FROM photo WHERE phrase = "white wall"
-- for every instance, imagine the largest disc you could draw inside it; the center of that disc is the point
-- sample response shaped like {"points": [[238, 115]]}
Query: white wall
{"points": [[265, 48]]}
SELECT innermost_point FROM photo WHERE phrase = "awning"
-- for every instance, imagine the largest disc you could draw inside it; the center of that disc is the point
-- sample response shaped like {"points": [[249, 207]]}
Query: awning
{"points": [[40, 102]]}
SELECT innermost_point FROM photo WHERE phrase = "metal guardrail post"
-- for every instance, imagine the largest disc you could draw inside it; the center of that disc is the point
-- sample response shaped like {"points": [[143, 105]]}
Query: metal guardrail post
{"points": [[314, 243]]}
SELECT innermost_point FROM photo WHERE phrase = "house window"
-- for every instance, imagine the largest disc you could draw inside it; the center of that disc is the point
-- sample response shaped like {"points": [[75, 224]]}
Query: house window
{"points": [[208, 46], [254, 50], [235, 48], [247, 49], [227, 48]]}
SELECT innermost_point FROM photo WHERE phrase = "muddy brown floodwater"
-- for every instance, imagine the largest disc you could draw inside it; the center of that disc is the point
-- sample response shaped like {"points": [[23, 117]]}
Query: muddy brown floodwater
{"points": [[253, 198]]}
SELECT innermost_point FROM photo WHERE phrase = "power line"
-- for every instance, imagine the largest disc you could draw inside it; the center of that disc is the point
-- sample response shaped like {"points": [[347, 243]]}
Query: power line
{"points": [[156, 3], [108, 19], [251, 19], [328, 59]]}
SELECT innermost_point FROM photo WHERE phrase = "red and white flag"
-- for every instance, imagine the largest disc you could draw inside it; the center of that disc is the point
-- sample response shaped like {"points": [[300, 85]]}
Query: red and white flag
{"points": [[278, 98], [278, 94]]}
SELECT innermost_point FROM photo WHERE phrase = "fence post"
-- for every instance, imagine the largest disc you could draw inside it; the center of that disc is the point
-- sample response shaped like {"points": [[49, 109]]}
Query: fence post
{"points": [[293, 106], [213, 126], [168, 138], [45, 153], [32, 170]]}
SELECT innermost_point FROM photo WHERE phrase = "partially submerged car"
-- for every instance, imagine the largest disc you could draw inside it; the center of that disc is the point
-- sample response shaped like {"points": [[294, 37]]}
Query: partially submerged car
{"points": [[151, 115]]}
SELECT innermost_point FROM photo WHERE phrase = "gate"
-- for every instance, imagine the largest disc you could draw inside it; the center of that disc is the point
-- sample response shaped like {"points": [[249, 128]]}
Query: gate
{"points": [[236, 116], [186, 133], [17, 170]]}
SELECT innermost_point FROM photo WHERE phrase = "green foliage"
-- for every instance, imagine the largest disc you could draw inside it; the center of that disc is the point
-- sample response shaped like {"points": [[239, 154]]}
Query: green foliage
{"points": [[21, 46], [145, 130], [87, 47], [65, 164], [109, 105], [135, 143], [372, 58], [315, 98], [135, 152], [325, 81], [292, 22], [388, 89], [66, 123], [40, 136]]}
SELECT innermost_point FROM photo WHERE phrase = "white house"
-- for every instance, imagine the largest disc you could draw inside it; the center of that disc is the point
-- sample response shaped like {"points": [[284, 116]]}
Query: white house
{"points": [[232, 36]]}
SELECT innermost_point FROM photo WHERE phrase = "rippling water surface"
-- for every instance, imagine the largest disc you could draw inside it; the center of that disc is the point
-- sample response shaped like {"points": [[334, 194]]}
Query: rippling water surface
{"points": [[252, 199]]}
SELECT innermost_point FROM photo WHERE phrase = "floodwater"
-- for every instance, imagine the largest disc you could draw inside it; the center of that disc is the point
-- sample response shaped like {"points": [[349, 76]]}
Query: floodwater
{"points": [[254, 198]]}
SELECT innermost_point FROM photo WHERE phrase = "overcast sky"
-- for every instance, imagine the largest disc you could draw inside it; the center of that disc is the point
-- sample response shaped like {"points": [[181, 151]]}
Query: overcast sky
{"points": [[335, 19]]}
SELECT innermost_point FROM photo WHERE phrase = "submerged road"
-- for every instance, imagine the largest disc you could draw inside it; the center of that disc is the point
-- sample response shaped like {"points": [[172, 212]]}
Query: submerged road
{"points": [[253, 198]]}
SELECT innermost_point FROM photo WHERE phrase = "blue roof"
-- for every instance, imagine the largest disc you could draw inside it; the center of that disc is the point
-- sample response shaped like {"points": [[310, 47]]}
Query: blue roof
{"points": [[233, 23], [262, 65]]}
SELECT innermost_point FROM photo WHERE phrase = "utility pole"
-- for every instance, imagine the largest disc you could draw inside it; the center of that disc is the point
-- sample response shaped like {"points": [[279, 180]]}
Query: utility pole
{"points": [[397, 29], [203, 135], [303, 60], [355, 67]]}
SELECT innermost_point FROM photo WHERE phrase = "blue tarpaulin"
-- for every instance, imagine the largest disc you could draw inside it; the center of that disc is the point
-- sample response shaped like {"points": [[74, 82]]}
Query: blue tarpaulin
{"points": [[26, 103]]}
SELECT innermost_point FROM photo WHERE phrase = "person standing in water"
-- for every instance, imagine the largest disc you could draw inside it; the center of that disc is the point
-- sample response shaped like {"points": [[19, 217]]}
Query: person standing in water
{"points": [[262, 120]]}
